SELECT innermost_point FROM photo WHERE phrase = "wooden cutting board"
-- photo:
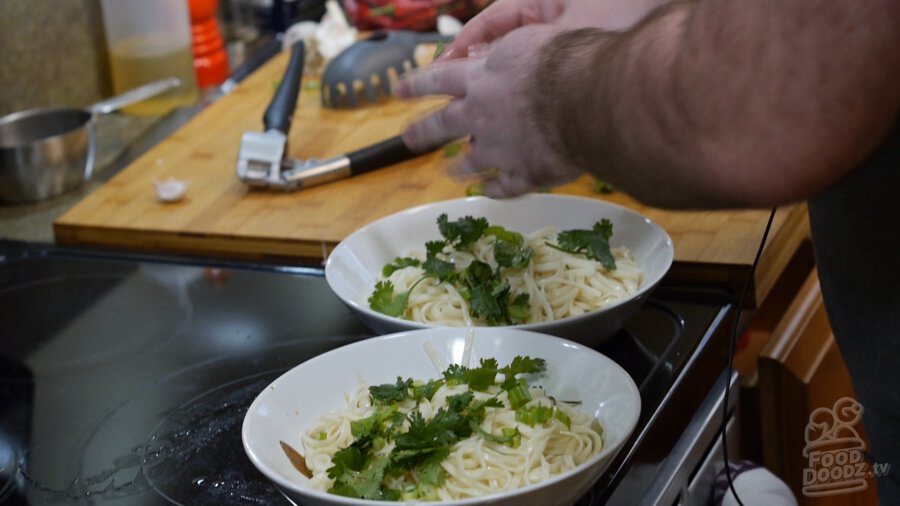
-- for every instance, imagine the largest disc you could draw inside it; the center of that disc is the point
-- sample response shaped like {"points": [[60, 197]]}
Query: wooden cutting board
{"points": [[222, 217]]}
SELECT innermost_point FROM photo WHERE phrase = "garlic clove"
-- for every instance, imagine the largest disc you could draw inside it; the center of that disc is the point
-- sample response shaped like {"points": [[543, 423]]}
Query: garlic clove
{"points": [[171, 190]]}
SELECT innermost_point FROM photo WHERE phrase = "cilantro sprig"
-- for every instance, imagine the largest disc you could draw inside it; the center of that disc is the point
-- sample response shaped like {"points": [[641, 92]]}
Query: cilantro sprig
{"points": [[385, 301]]}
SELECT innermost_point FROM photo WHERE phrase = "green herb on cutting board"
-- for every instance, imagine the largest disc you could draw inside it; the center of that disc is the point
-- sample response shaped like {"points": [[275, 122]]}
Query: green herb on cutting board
{"points": [[452, 150], [439, 49], [602, 187]]}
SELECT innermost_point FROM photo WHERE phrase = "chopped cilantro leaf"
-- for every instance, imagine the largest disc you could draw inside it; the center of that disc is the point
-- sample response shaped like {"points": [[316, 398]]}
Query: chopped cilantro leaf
{"points": [[384, 301], [493, 402], [434, 248], [426, 391], [463, 232], [366, 429], [479, 379], [525, 365], [593, 243], [519, 309], [455, 374], [439, 269], [479, 274], [429, 476], [511, 255], [391, 392], [426, 437], [484, 305], [364, 484], [509, 248], [349, 458], [399, 263]]}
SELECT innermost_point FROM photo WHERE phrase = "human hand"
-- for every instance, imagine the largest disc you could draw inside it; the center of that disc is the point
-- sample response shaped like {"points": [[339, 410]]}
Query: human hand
{"points": [[498, 19], [504, 16], [491, 104]]}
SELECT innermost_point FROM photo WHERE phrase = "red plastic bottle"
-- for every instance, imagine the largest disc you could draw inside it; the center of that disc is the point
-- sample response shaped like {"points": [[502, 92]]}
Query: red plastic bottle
{"points": [[210, 58]]}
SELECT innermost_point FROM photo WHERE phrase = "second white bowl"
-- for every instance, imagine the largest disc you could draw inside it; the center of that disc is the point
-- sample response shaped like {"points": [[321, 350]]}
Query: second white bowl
{"points": [[356, 263]]}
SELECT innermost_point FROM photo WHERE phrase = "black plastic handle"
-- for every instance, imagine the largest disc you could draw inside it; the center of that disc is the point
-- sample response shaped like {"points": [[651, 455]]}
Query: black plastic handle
{"points": [[281, 108], [376, 156]]}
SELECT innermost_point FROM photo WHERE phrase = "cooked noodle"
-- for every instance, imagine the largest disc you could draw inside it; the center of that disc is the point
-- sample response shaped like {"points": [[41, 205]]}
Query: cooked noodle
{"points": [[559, 284], [475, 466]]}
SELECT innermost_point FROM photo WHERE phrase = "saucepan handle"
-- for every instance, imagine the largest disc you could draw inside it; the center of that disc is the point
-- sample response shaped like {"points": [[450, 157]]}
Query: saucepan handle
{"points": [[136, 95]]}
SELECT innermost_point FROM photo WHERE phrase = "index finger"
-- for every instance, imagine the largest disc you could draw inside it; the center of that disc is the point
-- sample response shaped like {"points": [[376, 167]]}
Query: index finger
{"points": [[484, 28], [445, 78]]}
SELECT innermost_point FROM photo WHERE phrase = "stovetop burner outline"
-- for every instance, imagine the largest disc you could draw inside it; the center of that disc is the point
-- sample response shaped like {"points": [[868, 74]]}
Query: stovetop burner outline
{"points": [[213, 421], [165, 302]]}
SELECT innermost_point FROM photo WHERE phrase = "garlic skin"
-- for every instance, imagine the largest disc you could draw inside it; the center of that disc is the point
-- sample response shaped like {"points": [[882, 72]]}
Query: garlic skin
{"points": [[324, 39], [448, 25], [170, 190]]}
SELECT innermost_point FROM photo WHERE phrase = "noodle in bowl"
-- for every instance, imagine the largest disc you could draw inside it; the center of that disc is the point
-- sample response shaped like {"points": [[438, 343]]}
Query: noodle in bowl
{"points": [[294, 408], [571, 297]]}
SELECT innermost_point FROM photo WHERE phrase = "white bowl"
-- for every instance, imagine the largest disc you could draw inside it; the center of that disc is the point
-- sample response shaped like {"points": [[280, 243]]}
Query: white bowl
{"points": [[294, 401], [356, 263]]}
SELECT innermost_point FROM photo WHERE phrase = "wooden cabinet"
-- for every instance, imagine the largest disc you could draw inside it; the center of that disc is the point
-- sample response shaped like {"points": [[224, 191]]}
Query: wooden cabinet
{"points": [[800, 371]]}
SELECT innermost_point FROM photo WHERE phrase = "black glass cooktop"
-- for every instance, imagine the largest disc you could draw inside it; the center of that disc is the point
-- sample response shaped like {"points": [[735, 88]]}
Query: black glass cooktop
{"points": [[125, 379]]}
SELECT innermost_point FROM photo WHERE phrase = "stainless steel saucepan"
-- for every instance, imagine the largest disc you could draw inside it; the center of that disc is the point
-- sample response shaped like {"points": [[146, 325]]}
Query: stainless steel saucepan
{"points": [[47, 152]]}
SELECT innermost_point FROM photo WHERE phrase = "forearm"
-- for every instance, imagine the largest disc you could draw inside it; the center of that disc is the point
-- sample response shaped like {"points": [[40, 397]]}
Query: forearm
{"points": [[725, 103], [503, 16], [610, 15]]}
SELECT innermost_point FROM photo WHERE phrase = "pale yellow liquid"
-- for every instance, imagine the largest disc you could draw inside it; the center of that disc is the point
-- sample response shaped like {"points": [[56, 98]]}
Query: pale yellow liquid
{"points": [[135, 62]]}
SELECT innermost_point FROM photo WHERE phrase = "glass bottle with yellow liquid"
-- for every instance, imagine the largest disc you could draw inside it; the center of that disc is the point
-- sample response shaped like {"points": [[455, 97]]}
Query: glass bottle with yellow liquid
{"points": [[150, 40]]}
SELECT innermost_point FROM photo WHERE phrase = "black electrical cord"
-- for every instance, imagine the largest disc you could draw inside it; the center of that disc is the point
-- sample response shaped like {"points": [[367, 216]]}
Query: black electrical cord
{"points": [[731, 352]]}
